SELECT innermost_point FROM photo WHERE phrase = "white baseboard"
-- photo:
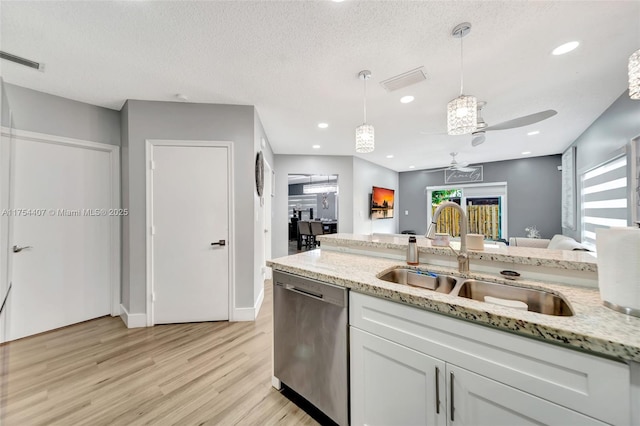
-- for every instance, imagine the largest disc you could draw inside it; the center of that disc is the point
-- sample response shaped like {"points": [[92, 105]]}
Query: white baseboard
{"points": [[249, 314], [276, 383], [132, 320], [258, 304]]}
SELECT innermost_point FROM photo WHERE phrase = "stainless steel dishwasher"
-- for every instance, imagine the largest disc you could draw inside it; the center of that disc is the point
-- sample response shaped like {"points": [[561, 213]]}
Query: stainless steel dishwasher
{"points": [[310, 321]]}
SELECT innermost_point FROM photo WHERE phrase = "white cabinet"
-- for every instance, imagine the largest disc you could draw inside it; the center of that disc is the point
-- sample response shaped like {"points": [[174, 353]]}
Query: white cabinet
{"points": [[394, 385], [475, 400], [488, 376]]}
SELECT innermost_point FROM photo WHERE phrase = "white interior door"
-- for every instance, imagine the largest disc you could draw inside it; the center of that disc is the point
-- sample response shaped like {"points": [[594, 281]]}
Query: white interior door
{"points": [[65, 277], [190, 199]]}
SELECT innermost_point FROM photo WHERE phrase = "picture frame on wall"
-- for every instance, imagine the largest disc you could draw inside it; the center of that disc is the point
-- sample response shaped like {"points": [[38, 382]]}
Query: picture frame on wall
{"points": [[569, 188]]}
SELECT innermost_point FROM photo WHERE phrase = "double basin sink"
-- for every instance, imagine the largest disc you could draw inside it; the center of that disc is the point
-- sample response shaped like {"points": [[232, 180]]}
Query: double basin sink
{"points": [[534, 300]]}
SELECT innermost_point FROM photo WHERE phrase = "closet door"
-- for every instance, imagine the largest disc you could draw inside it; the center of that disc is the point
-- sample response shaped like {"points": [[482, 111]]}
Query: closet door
{"points": [[61, 252]]}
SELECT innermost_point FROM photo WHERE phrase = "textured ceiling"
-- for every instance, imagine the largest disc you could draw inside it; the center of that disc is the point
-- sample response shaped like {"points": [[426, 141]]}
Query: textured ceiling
{"points": [[297, 62]]}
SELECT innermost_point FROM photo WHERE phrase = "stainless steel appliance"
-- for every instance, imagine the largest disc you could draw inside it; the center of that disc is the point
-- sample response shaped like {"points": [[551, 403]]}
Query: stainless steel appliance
{"points": [[310, 322]]}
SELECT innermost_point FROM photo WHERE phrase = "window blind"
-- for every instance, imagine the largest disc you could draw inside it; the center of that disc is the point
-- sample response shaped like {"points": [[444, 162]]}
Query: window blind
{"points": [[603, 198]]}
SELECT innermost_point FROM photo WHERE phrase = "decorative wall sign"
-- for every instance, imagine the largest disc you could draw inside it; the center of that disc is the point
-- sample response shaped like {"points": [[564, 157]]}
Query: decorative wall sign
{"points": [[259, 174], [569, 188], [458, 176]]}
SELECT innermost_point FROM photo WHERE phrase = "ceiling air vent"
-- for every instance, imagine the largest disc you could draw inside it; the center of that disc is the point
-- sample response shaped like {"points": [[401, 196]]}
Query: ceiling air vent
{"points": [[19, 60], [405, 79]]}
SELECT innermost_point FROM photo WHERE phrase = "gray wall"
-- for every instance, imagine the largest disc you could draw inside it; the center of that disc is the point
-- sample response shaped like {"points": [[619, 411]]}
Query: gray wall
{"points": [[611, 131], [125, 251], [43, 113], [533, 194], [365, 176], [4, 105], [261, 215], [310, 164], [187, 121]]}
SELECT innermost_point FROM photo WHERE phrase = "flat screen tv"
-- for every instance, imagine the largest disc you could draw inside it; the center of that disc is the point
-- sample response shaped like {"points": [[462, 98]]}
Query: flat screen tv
{"points": [[382, 201]]}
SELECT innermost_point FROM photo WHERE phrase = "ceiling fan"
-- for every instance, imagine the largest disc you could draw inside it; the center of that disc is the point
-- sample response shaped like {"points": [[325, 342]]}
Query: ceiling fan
{"points": [[454, 165], [479, 135]]}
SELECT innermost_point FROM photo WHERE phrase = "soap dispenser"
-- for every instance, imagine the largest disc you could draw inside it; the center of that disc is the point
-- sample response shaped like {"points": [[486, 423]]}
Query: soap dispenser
{"points": [[412, 251]]}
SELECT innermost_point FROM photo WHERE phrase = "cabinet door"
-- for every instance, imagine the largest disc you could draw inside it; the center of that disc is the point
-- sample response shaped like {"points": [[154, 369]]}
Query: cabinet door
{"points": [[476, 400], [394, 385]]}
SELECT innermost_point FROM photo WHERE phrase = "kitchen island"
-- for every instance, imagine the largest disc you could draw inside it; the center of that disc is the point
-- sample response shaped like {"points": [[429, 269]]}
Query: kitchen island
{"points": [[614, 338]]}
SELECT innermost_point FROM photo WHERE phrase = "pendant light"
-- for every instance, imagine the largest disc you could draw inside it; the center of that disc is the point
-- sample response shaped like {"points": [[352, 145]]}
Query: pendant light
{"points": [[364, 133], [462, 112], [634, 75]]}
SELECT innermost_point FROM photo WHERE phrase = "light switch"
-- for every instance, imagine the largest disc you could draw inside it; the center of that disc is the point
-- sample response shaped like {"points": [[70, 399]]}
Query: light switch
{"points": [[406, 212]]}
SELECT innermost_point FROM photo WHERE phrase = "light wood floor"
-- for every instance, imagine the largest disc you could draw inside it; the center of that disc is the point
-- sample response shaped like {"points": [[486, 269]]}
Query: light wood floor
{"points": [[99, 372]]}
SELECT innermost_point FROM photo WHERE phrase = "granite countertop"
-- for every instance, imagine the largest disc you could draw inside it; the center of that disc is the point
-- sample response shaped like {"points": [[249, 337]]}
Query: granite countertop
{"points": [[562, 259], [593, 328]]}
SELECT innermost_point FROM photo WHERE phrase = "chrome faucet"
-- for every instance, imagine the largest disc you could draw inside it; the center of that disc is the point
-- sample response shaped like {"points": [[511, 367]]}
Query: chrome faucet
{"points": [[463, 257]]}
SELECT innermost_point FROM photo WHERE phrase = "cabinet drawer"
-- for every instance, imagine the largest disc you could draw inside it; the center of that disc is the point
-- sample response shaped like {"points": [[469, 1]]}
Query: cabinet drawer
{"points": [[595, 386], [477, 401]]}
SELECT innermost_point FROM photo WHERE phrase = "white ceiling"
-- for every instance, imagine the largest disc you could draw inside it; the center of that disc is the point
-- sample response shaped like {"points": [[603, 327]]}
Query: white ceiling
{"points": [[297, 62]]}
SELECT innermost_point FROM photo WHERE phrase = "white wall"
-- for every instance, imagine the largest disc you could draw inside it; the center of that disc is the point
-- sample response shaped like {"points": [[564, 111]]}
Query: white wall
{"points": [[315, 164], [366, 175]]}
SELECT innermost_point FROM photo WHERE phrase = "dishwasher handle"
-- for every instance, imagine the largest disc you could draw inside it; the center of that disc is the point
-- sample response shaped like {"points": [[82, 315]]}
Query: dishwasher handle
{"points": [[307, 293]]}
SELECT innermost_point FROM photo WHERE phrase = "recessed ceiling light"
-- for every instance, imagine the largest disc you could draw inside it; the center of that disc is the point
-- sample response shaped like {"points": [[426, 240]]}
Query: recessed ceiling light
{"points": [[316, 147], [407, 99], [565, 48], [390, 156], [323, 125], [412, 167], [535, 132], [337, 1], [526, 152]]}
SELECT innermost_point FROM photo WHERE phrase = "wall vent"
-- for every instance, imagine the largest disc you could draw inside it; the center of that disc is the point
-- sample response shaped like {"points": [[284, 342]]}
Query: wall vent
{"points": [[19, 60], [405, 79]]}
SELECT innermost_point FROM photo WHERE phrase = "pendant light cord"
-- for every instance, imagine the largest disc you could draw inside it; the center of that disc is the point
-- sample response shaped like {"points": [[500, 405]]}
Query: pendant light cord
{"points": [[461, 67], [365, 100]]}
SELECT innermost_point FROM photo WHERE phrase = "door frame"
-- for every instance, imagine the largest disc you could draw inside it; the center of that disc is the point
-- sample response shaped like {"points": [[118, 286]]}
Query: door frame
{"points": [[149, 145], [504, 228], [114, 224], [267, 215]]}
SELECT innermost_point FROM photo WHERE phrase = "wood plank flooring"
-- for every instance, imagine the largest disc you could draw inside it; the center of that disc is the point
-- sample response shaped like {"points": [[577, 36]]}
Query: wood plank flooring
{"points": [[101, 373]]}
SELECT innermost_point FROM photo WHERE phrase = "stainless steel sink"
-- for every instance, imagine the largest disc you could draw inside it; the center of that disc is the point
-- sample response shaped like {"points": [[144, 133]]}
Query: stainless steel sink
{"points": [[534, 300], [423, 279], [540, 301]]}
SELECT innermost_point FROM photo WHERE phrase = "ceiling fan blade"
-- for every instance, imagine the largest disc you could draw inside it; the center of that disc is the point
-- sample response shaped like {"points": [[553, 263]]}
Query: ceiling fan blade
{"points": [[523, 121], [461, 165], [465, 169]]}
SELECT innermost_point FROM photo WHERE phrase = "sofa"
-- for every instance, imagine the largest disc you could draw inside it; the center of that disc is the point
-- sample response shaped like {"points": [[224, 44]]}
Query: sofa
{"points": [[558, 242]]}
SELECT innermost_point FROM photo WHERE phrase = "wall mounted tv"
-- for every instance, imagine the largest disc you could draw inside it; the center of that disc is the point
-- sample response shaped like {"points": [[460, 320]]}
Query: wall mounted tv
{"points": [[382, 201]]}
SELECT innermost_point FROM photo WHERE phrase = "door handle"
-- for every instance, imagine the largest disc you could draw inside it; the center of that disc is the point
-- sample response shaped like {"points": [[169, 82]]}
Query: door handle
{"points": [[453, 408], [219, 243], [437, 390], [17, 249]]}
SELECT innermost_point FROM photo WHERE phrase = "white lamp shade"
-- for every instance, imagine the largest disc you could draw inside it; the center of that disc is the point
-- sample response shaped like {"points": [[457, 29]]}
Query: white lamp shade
{"points": [[462, 115], [365, 139], [634, 75]]}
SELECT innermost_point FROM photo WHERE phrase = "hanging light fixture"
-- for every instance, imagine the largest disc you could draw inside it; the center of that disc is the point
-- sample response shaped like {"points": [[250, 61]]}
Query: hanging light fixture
{"points": [[462, 112], [634, 75], [364, 133]]}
